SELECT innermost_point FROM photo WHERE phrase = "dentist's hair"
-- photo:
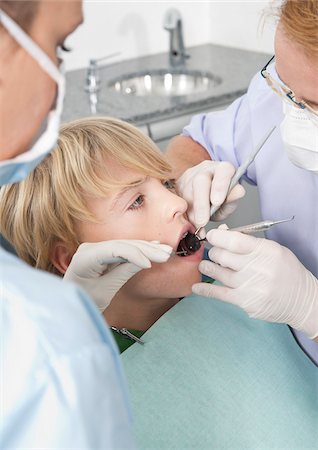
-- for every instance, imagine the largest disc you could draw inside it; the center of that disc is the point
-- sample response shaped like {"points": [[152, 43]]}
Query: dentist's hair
{"points": [[43, 209], [300, 21]]}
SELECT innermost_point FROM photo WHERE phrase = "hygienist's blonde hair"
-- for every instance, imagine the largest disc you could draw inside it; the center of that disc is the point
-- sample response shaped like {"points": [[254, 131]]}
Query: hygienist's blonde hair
{"points": [[41, 210], [300, 21]]}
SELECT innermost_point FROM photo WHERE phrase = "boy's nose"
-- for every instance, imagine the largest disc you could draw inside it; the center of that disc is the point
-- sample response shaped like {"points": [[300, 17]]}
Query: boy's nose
{"points": [[176, 205]]}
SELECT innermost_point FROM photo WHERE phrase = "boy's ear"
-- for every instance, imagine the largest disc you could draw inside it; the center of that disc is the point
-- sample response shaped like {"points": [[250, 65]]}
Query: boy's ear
{"points": [[61, 257]]}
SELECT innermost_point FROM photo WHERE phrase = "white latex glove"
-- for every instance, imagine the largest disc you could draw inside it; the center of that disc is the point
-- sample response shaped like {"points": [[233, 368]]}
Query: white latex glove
{"points": [[101, 270], [262, 277], [205, 184]]}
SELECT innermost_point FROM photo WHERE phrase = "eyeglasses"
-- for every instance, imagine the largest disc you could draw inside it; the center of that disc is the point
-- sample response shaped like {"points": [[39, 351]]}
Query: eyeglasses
{"points": [[287, 94]]}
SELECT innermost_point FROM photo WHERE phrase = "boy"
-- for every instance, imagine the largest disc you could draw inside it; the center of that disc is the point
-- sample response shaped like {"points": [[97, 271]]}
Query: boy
{"points": [[104, 181]]}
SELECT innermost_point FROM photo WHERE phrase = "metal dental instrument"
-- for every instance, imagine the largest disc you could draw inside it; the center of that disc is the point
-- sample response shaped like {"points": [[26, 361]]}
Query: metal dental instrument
{"points": [[127, 334], [191, 243], [240, 171], [260, 226]]}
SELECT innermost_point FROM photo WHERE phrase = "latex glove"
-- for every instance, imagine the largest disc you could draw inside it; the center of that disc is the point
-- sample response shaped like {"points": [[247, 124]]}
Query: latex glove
{"points": [[205, 184], [262, 277], [94, 267]]}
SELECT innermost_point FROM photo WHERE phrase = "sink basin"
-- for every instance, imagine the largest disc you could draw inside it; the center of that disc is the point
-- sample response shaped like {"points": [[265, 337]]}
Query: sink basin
{"points": [[164, 82]]}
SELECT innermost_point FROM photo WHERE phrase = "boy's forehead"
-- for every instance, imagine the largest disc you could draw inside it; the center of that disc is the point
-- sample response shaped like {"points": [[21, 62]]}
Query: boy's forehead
{"points": [[119, 171], [126, 176]]}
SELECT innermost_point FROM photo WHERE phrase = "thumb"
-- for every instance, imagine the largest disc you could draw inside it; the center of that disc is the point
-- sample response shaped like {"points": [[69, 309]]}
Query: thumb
{"points": [[118, 276], [106, 286], [231, 203], [114, 280]]}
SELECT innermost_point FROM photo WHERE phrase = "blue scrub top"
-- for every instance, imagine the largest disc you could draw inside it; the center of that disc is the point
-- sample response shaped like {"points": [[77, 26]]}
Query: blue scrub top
{"points": [[62, 383], [285, 190]]}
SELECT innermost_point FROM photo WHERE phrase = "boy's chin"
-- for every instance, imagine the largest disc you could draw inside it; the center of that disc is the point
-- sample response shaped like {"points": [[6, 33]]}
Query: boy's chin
{"points": [[151, 285]]}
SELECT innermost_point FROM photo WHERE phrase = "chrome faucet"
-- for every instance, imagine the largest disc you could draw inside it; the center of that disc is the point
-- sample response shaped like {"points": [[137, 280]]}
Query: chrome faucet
{"points": [[172, 22], [92, 82]]}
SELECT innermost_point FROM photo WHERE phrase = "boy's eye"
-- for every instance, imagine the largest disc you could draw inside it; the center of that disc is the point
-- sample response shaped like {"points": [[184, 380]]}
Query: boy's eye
{"points": [[170, 184], [137, 203]]}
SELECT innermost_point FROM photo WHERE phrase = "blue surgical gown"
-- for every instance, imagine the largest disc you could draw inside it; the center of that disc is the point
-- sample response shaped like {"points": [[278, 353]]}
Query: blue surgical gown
{"points": [[61, 381], [284, 189]]}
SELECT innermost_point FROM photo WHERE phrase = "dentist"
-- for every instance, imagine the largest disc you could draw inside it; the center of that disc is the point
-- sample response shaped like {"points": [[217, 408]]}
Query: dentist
{"points": [[273, 279], [61, 380]]}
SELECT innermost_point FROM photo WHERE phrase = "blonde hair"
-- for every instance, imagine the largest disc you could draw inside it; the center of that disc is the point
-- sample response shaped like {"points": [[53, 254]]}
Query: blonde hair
{"points": [[300, 21], [42, 209]]}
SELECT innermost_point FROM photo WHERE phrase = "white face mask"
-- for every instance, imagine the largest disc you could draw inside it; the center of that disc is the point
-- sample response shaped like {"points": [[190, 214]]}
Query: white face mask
{"points": [[300, 137], [16, 169]]}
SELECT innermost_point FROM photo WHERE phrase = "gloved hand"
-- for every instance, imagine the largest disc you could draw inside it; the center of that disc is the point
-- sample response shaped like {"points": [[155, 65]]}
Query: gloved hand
{"points": [[95, 266], [262, 277], [208, 183]]}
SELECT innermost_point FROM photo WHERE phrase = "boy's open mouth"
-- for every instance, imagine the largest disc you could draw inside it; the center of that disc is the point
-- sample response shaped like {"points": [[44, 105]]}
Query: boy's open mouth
{"points": [[188, 245]]}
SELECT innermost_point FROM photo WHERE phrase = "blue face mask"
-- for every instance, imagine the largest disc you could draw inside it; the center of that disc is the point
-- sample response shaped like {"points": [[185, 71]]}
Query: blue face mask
{"points": [[16, 169]]}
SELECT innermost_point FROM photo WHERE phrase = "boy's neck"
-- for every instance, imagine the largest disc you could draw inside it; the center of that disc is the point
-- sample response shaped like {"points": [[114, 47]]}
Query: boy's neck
{"points": [[136, 313]]}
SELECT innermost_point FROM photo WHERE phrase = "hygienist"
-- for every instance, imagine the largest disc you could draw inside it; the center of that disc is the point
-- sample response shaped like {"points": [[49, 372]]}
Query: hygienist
{"points": [[273, 279], [62, 384]]}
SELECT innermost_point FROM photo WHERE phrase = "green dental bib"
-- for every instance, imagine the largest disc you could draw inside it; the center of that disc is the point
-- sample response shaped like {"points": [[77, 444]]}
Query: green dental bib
{"points": [[209, 377]]}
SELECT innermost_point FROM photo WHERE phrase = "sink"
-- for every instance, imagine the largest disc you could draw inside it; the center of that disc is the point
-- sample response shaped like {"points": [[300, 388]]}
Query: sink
{"points": [[165, 83]]}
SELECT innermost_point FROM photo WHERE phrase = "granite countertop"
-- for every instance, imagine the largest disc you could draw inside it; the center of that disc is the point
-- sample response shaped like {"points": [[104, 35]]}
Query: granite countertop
{"points": [[235, 67]]}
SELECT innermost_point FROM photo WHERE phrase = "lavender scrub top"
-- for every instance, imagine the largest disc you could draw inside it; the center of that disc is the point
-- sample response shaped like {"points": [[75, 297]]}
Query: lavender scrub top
{"points": [[284, 189]]}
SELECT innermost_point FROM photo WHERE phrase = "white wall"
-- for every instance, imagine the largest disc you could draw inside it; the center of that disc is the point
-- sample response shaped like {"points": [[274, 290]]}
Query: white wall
{"points": [[135, 28], [238, 23]]}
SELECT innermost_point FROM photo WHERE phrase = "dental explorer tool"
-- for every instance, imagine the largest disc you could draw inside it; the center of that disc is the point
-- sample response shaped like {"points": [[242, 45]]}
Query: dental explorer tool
{"points": [[240, 171], [191, 243], [260, 226]]}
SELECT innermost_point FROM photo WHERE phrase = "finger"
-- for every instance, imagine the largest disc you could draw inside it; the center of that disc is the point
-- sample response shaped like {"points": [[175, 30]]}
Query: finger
{"points": [[115, 280], [202, 233], [232, 240], [214, 291], [224, 212], [230, 204], [92, 258], [219, 273], [126, 251], [155, 252], [227, 259], [201, 199], [117, 275], [221, 181], [236, 194], [141, 252], [122, 273]]}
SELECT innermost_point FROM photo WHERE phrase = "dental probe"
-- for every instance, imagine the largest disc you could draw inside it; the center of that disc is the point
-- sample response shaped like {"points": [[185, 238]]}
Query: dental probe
{"points": [[191, 243], [259, 226], [240, 171]]}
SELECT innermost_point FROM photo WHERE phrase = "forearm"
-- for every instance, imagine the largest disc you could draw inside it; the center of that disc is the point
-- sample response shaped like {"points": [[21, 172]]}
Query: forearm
{"points": [[183, 152]]}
